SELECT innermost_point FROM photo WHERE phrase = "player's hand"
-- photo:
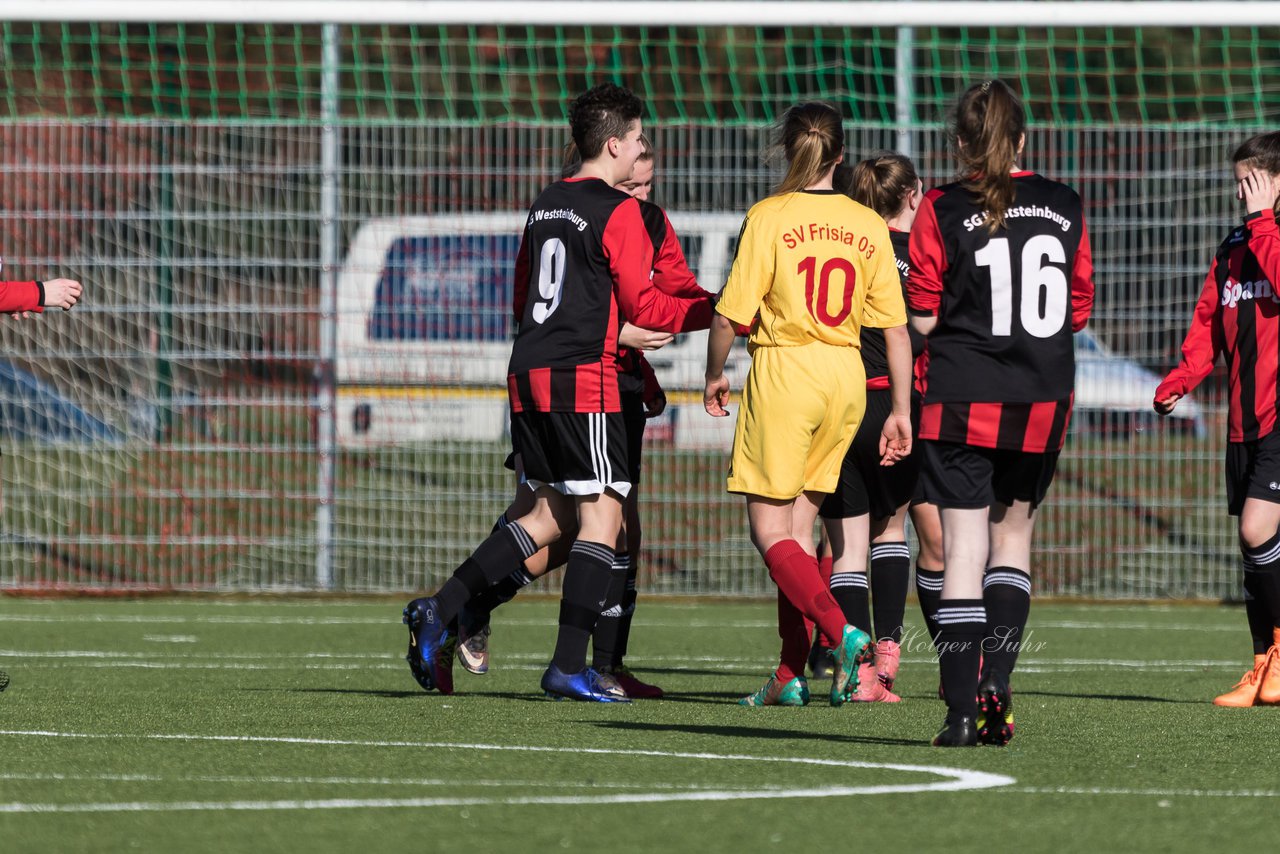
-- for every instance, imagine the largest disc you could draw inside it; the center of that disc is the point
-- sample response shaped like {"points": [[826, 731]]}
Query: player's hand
{"points": [[21, 315], [1258, 191], [643, 339], [61, 293], [1165, 405], [716, 396], [895, 439], [656, 405]]}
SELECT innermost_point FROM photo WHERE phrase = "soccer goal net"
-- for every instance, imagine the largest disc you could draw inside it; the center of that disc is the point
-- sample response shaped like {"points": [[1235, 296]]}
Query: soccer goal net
{"points": [[295, 224]]}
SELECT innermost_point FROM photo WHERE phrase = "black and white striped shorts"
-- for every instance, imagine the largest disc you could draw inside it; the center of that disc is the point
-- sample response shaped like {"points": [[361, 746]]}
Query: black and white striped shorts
{"points": [[576, 453]]}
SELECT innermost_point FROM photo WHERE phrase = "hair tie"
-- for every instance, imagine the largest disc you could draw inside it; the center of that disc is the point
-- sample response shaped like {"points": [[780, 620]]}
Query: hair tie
{"points": [[985, 86], [814, 130]]}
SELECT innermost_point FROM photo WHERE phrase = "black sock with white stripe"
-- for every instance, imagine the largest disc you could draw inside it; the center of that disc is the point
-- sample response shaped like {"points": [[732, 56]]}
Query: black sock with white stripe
{"points": [[628, 611], [604, 640], [849, 589], [929, 592], [961, 626], [1265, 563], [1006, 594], [890, 576], [586, 587], [489, 563], [499, 594]]}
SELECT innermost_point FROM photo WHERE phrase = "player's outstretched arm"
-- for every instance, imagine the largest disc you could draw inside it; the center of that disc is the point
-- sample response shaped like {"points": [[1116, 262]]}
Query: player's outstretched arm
{"points": [[62, 293]]}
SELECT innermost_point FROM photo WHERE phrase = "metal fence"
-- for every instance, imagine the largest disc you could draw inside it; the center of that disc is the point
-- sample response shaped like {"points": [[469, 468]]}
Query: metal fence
{"points": [[167, 431]]}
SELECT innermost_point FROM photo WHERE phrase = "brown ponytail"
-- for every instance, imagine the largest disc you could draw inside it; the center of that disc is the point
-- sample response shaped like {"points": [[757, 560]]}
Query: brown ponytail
{"points": [[811, 137], [987, 126], [882, 182]]}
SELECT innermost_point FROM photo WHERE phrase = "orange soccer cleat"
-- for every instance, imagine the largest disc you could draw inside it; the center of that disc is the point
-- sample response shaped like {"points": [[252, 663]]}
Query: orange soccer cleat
{"points": [[1245, 692], [1269, 690]]}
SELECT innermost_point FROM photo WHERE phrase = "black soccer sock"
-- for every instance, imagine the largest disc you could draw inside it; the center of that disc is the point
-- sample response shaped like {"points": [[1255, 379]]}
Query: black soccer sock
{"points": [[586, 587], [1255, 608], [1264, 565], [604, 640], [1006, 595], [482, 606], [849, 589], [961, 625], [628, 611], [929, 592], [491, 561], [890, 576]]}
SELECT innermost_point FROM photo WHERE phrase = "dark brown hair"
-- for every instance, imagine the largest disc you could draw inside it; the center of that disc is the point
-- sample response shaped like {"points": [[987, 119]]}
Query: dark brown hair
{"points": [[986, 128], [882, 182], [571, 160], [1260, 152], [811, 137], [600, 114]]}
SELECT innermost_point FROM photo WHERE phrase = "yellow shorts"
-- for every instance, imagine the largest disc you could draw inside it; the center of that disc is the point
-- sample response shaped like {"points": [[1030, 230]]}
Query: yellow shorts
{"points": [[800, 408]]}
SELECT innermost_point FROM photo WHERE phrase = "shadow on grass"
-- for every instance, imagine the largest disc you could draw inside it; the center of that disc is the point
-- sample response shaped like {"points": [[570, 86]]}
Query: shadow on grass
{"points": [[1127, 698], [409, 694], [770, 733]]}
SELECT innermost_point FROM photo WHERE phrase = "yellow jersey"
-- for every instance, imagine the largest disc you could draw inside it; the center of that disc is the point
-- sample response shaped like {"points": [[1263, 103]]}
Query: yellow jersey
{"points": [[816, 266]]}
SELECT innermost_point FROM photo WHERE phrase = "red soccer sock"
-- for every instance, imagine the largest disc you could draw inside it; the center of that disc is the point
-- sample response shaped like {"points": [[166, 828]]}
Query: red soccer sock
{"points": [[796, 575], [824, 571], [795, 634]]}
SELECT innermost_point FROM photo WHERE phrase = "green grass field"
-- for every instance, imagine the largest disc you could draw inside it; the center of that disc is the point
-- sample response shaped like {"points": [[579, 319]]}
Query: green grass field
{"points": [[293, 725]]}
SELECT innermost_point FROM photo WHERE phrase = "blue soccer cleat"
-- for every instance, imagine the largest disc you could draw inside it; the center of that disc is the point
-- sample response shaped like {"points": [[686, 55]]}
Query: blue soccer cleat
{"points": [[584, 685], [431, 646]]}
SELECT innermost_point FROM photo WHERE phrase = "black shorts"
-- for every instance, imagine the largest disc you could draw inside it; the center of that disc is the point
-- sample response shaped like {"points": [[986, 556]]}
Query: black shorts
{"points": [[1253, 471], [577, 453], [866, 486], [633, 416], [966, 477]]}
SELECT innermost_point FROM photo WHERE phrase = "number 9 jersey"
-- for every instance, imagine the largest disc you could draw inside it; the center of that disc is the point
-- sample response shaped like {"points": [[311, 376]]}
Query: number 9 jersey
{"points": [[1001, 358]]}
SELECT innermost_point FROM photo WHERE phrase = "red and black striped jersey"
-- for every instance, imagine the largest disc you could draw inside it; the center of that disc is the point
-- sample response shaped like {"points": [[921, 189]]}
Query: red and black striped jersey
{"points": [[1001, 358], [1238, 314], [671, 275], [584, 263], [875, 354]]}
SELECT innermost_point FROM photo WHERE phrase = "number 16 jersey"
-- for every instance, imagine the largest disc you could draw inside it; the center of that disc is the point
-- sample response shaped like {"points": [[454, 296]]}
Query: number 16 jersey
{"points": [[1001, 360]]}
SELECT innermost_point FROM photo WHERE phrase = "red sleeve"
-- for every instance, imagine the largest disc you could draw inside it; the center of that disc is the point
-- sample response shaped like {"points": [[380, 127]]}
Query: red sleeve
{"points": [[1202, 345], [652, 388], [1264, 243], [1082, 281], [630, 252], [928, 259], [520, 283], [21, 296], [671, 272]]}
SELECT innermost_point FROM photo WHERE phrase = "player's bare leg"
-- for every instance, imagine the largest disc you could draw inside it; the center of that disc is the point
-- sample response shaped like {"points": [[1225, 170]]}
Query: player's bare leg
{"points": [[782, 531]]}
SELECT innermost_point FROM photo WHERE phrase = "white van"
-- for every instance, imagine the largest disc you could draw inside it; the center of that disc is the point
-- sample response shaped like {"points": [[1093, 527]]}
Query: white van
{"points": [[425, 329]]}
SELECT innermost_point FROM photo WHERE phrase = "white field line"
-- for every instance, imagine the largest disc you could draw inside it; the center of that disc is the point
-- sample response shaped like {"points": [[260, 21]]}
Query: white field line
{"points": [[954, 779], [1161, 793], [276, 620], [337, 781]]}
